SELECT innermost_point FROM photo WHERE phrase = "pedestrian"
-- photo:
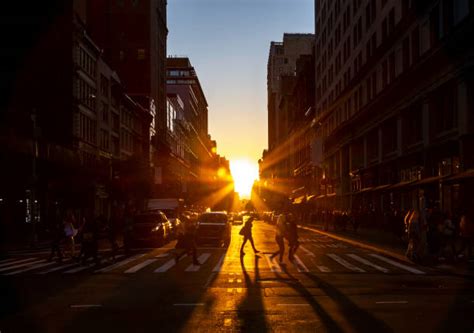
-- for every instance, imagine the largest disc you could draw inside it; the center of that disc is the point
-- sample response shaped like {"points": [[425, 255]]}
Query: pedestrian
{"points": [[57, 238], [280, 231], [186, 235], [70, 233], [466, 232], [448, 235], [246, 231], [292, 237], [89, 244], [111, 229]]}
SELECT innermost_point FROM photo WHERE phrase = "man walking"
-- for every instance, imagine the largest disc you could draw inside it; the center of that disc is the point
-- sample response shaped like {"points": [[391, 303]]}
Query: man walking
{"points": [[292, 236], [246, 231], [186, 235]]}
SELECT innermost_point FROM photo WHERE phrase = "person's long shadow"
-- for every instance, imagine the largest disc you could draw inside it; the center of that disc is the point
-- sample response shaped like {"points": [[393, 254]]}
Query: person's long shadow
{"points": [[359, 319], [251, 312]]}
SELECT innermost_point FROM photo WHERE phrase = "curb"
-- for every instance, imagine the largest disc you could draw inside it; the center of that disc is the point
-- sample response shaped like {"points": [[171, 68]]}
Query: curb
{"points": [[361, 244]]}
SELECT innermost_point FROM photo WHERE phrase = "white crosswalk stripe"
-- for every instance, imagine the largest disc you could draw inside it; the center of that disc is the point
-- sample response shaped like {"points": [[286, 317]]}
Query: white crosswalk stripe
{"points": [[272, 263], [14, 262], [79, 269], [308, 252], [30, 268], [368, 263], [323, 269], [58, 268], [300, 266], [168, 265], [345, 263], [9, 268], [397, 264], [120, 263], [141, 265], [202, 259], [218, 267], [6, 260]]}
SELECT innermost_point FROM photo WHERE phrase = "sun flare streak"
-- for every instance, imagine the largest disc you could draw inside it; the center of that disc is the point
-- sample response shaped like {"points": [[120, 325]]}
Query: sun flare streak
{"points": [[244, 173]]}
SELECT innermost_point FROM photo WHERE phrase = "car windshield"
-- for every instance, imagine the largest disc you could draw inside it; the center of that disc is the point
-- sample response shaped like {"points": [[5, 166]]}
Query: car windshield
{"points": [[213, 218]]}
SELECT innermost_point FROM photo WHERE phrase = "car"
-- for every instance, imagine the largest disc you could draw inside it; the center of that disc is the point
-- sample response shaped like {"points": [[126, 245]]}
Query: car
{"points": [[150, 228], [172, 216], [213, 227], [238, 219]]}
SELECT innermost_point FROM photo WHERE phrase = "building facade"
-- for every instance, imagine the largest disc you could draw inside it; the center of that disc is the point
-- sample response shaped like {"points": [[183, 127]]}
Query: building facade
{"points": [[394, 105]]}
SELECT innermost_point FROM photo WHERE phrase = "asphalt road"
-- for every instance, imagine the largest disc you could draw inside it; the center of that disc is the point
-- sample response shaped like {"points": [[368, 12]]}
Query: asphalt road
{"points": [[331, 287]]}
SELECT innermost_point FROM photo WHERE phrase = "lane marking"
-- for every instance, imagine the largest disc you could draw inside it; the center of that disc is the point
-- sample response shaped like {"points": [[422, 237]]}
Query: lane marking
{"points": [[274, 266], [300, 266], [219, 264], [8, 268], [85, 305], [392, 302], [188, 304], [368, 263], [167, 265], [209, 279], [7, 260], [308, 252], [296, 304], [30, 268], [136, 268], [202, 259], [396, 264], [120, 263], [17, 262], [323, 269], [345, 263], [227, 322], [162, 255], [54, 269], [78, 269]]}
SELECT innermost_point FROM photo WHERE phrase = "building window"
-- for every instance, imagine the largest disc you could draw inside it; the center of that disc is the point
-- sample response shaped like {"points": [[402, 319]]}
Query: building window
{"points": [[406, 53], [141, 54], [415, 44], [105, 112], [104, 86], [85, 94]]}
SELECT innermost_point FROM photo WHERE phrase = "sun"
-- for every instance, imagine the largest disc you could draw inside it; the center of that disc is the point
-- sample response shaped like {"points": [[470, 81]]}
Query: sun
{"points": [[244, 173]]}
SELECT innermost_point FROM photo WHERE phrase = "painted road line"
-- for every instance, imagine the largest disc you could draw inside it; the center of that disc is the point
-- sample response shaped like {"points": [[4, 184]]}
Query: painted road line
{"points": [[7, 260], [9, 268], [80, 306], [219, 264], [202, 259], [162, 255], [58, 268], [167, 265], [368, 263], [274, 266], [308, 252], [120, 263], [300, 266], [136, 268], [345, 263], [79, 269], [17, 262], [392, 302], [30, 268], [323, 269], [397, 264], [293, 304], [188, 304]]}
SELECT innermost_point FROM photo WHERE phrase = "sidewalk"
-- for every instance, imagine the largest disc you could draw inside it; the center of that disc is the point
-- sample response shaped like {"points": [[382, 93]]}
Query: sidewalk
{"points": [[387, 244]]}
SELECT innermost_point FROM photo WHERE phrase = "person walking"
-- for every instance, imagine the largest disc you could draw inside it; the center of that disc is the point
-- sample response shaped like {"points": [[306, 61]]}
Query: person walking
{"points": [[280, 231], [246, 231], [57, 238], [466, 232], [128, 228], [186, 235], [292, 236], [89, 244], [70, 233]]}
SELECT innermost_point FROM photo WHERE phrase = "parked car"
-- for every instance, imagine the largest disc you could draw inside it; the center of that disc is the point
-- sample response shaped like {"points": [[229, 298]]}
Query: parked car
{"points": [[213, 227], [174, 220], [150, 228], [238, 219]]}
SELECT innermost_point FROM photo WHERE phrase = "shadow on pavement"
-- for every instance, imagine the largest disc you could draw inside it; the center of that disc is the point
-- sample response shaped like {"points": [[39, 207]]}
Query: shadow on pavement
{"points": [[250, 311]]}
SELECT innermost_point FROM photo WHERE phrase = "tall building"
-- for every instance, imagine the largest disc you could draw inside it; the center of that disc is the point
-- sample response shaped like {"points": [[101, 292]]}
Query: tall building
{"points": [[67, 123], [394, 104], [285, 72], [132, 36], [182, 80]]}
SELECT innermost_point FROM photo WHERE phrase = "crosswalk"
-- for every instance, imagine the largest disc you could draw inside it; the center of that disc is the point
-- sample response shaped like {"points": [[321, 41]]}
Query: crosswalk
{"points": [[306, 261]]}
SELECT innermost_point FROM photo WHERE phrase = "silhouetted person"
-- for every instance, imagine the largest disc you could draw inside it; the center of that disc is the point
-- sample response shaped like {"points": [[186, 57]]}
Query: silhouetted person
{"points": [[280, 231], [246, 231], [90, 237], [186, 235], [57, 238], [292, 236]]}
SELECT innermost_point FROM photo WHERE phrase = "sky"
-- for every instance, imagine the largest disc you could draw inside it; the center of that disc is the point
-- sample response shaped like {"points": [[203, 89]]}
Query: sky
{"points": [[227, 42]]}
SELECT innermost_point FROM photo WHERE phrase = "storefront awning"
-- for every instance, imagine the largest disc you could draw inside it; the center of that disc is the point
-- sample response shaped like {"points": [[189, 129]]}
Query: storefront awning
{"points": [[381, 187], [428, 180], [401, 184]]}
